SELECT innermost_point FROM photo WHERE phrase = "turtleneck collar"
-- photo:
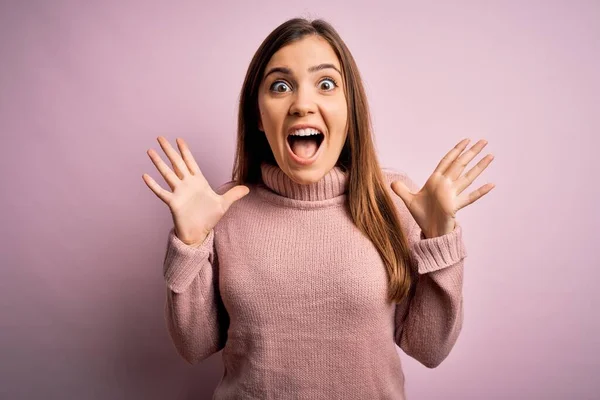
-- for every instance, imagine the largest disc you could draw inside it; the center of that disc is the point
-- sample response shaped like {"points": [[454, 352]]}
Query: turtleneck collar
{"points": [[333, 184]]}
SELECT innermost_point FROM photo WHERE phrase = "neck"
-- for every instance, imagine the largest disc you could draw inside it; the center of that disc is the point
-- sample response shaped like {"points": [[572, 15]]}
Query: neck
{"points": [[333, 184]]}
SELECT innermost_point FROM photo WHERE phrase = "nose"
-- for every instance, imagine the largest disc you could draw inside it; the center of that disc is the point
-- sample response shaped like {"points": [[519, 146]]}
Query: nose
{"points": [[303, 102]]}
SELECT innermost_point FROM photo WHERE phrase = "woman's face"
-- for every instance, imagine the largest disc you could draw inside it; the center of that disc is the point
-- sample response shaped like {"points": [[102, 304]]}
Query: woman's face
{"points": [[293, 92]]}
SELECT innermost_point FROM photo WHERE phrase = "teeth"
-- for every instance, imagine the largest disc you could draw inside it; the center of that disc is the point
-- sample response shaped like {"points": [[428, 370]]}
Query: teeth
{"points": [[305, 132]]}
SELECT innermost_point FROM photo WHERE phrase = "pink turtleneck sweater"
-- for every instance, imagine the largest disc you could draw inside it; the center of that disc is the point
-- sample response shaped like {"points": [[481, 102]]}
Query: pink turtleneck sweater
{"points": [[295, 296]]}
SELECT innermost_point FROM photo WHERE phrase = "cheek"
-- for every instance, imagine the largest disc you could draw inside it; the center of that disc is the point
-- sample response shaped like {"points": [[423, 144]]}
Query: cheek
{"points": [[270, 112], [336, 114]]}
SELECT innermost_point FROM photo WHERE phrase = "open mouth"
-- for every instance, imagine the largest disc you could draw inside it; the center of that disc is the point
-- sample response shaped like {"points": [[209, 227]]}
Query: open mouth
{"points": [[305, 146]]}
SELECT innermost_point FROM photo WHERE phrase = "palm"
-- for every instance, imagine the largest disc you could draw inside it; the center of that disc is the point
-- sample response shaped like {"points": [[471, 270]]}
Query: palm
{"points": [[440, 195], [434, 207]]}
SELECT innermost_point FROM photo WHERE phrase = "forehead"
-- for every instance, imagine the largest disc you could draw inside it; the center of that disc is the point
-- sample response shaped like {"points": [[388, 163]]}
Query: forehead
{"points": [[299, 55]]}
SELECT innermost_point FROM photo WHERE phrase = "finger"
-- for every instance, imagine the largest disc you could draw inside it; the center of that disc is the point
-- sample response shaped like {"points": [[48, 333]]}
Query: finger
{"points": [[162, 194], [234, 194], [403, 192], [476, 195], [473, 173], [176, 161], [449, 158], [457, 167], [164, 169], [188, 158]]}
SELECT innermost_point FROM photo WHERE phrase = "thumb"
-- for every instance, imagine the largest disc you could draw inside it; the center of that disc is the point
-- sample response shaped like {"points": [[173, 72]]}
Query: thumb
{"points": [[402, 191], [234, 194]]}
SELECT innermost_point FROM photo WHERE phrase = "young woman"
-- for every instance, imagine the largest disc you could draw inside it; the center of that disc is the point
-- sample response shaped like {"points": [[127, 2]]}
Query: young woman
{"points": [[312, 263]]}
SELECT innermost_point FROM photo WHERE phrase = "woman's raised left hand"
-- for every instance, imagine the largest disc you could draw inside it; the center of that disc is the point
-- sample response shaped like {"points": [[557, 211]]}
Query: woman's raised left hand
{"points": [[434, 207]]}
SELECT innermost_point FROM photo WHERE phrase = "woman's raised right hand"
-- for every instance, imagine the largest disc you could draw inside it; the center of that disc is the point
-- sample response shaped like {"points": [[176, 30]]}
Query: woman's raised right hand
{"points": [[194, 206]]}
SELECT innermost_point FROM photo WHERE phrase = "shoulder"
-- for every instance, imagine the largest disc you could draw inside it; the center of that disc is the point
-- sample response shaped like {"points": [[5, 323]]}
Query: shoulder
{"points": [[238, 210]]}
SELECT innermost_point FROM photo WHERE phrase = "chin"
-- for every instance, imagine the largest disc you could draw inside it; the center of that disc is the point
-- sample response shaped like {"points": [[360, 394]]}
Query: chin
{"points": [[307, 175]]}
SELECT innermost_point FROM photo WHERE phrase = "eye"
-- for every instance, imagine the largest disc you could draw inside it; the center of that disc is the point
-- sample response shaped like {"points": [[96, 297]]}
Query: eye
{"points": [[333, 86], [280, 83], [275, 85]]}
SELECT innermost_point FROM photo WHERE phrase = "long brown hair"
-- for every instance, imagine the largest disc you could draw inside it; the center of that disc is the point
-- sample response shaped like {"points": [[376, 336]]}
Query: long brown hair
{"points": [[371, 208]]}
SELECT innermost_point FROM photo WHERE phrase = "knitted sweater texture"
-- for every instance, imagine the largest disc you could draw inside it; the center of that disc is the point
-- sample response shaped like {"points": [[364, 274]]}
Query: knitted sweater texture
{"points": [[295, 295]]}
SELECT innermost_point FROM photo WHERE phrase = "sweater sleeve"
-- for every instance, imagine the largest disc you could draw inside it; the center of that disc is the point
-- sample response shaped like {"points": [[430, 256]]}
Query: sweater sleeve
{"points": [[196, 318], [428, 322]]}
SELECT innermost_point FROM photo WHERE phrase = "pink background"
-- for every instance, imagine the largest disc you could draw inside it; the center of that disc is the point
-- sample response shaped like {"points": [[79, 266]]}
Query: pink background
{"points": [[86, 89]]}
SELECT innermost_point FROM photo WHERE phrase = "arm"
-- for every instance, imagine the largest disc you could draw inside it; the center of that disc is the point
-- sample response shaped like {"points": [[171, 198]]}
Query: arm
{"points": [[196, 318], [429, 321]]}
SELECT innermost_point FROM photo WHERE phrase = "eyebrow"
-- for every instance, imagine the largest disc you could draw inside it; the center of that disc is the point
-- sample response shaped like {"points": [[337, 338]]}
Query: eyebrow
{"points": [[287, 71]]}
